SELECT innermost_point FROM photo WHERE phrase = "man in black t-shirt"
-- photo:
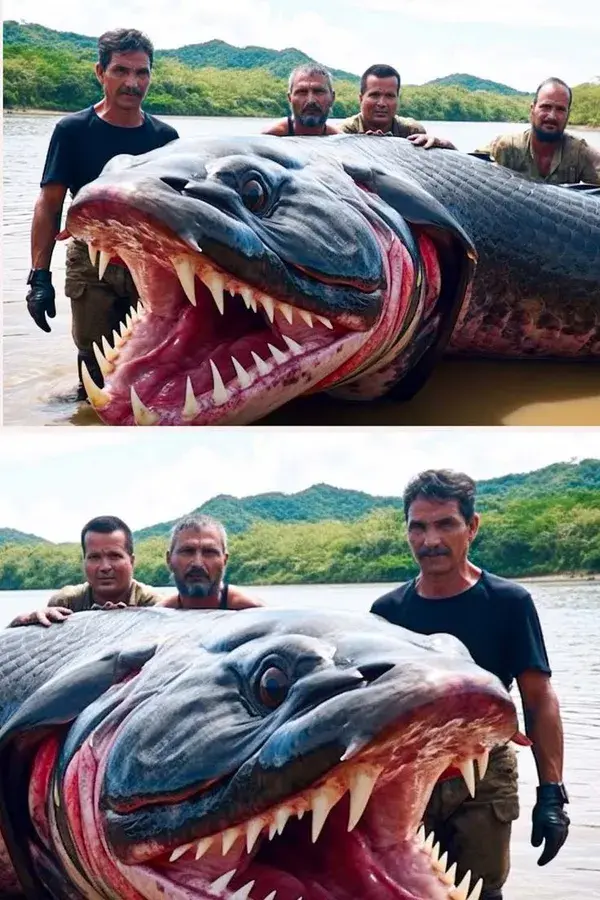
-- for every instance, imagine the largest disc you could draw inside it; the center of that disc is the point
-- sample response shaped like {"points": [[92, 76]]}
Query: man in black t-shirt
{"points": [[497, 622], [80, 147]]}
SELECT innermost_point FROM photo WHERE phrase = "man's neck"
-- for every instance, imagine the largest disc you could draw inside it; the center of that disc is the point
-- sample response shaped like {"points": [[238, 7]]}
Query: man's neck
{"points": [[307, 130], [544, 149], [438, 587], [210, 602], [123, 597], [124, 118]]}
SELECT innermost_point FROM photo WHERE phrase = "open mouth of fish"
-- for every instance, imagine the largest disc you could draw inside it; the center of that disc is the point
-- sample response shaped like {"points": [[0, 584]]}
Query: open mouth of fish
{"points": [[206, 347], [354, 832]]}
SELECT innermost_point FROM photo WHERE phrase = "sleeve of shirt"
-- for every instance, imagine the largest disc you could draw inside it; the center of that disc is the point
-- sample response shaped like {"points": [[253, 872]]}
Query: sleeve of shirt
{"points": [[591, 170], [58, 168], [527, 647], [349, 126], [415, 127]]}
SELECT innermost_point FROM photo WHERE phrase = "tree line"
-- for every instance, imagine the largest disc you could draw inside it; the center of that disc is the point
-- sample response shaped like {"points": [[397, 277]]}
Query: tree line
{"points": [[547, 535], [44, 78]]}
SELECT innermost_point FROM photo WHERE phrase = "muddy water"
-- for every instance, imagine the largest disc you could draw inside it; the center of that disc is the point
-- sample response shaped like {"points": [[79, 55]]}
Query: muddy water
{"points": [[39, 368]]}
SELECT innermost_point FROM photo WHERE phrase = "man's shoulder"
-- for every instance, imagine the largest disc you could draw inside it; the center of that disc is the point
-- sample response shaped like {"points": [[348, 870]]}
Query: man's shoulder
{"points": [[240, 599], [411, 126], [144, 594], [517, 140], [505, 587], [74, 121], [575, 145], [391, 598], [69, 594], [351, 125], [161, 127], [280, 128]]}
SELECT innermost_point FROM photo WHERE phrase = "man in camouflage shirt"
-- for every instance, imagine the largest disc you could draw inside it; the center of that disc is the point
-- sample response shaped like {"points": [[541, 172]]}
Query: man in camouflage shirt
{"points": [[108, 561], [379, 95], [546, 152]]}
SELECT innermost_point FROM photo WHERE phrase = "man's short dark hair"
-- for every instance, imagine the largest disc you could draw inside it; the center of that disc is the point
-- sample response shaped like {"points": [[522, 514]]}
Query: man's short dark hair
{"points": [[123, 40], [558, 81], [442, 484], [379, 70], [106, 525]]}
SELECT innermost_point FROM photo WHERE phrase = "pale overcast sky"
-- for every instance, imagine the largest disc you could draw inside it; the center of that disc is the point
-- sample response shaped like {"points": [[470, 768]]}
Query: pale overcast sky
{"points": [[513, 42], [52, 480]]}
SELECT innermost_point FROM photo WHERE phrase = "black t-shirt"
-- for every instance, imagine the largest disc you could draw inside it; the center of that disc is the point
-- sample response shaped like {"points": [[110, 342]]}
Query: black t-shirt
{"points": [[496, 620], [82, 144]]}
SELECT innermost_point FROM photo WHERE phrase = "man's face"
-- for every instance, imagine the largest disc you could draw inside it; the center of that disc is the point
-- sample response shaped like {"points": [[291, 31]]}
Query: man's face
{"points": [[379, 103], [311, 100], [126, 79], [550, 113], [198, 561], [107, 565], [438, 535]]}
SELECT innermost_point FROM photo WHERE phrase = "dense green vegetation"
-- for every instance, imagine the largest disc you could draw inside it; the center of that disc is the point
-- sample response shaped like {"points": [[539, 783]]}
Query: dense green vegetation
{"points": [[541, 523], [472, 83]]}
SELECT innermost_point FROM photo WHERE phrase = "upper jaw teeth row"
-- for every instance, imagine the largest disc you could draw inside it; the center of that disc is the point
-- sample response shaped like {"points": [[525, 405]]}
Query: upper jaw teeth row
{"points": [[360, 782], [446, 876], [217, 283]]}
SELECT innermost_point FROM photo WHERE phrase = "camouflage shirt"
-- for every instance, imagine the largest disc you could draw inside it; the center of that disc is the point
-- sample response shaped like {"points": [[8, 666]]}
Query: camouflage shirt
{"points": [[573, 161], [79, 597], [400, 127]]}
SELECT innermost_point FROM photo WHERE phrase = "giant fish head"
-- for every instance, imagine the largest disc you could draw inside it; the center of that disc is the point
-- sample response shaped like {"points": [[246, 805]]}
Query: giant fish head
{"points": [[260, 754], [267, 269]]}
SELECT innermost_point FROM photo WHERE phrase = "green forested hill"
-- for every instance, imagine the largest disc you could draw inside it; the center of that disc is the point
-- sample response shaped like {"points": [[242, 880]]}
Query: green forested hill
{"points": [[473, 83], [11, 536], [538, 523]]}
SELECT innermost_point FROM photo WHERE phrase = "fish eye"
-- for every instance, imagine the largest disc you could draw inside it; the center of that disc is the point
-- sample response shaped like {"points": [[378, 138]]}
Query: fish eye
{"points": [[273, 687], [254, 195]]}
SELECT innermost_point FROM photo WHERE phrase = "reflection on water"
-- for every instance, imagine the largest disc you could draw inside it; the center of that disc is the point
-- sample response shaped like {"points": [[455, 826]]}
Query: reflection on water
{"points": [[40, 372], [570, 615]]}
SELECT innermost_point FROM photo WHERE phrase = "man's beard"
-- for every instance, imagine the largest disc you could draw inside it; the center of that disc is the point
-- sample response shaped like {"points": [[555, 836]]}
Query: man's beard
{"points": [[547, 137], [312, 119], [197, 590]]}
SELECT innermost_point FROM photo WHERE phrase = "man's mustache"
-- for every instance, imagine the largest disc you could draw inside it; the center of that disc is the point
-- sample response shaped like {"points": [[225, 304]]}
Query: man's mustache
{"points": [[132, 93], [426, 552], [197, 572]]}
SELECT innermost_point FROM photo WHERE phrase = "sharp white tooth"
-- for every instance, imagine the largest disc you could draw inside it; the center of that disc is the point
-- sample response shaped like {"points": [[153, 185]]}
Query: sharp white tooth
{"points": [[261, 366], [109, 352], [325, 321], [300, 813], [104, 261], [93, 252], [229, 838], [202, 846], [243, 892], [322, 803], [278, 355], [247, 295], [282, 814], [190, 407], [215, 283], [468, 773], [428, 843], [304, 314], [133, 314], [294, 347], [435, 854], [244, 379], [482, 764], [141, 414], [125, 331], [271, 896], [461, 892], [220, 394], [476, 892], [421, 834], [272, 830], [117, 340], [253, 829], [105, 367], [449, 876], [128, 322], [287, 311], [441, 864], [179, 852], [185, 272], [98, 397], [221, 883], [361, 787], [268, 305]]}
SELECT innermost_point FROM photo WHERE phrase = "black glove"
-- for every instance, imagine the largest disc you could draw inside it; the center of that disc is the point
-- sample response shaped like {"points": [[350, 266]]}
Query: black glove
{"points": [[550, 821], [40, 298]]}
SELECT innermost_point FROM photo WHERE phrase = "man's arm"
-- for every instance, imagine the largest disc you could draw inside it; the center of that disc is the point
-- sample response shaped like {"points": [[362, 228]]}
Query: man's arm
{"points": [[543, 724], [238, 599], [591, 171], [279, 128], [46, 224]]}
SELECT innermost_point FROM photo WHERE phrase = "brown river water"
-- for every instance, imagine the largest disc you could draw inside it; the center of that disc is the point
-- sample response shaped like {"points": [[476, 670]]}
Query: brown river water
{"points": [[570, 617], [39, 368]]}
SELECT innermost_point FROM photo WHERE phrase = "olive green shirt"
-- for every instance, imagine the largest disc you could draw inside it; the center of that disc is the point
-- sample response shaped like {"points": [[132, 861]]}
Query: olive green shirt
{"points": [[401, 127], [573, 161], [79, 597]]}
